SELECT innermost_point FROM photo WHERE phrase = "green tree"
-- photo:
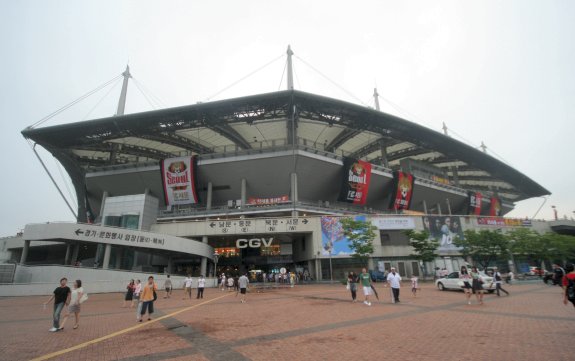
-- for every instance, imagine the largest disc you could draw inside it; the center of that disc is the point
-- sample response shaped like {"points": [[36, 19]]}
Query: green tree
{"points": [[424, 247], [483, 246], [360, 235], [528, 243]]}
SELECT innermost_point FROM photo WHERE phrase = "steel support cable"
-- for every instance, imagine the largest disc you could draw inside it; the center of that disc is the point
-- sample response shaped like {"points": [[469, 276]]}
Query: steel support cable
{"points": [[148, 94], [64, 180], [331, 81], [245, 77], [144, 94], [53, 114], [282, 78], [33, 146], [101, 99]]}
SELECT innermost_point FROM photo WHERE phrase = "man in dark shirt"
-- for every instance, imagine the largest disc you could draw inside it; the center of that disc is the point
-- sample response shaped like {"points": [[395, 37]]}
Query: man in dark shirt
{"points": [[558, 273], [61, 297]]}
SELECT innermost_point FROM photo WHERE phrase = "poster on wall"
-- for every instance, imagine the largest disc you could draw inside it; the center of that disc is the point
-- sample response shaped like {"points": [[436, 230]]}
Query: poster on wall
{"points": [[444, 229], [334, 241], [403, 188], [356, 178], [179, 180], [475, 200], [495, 207]]}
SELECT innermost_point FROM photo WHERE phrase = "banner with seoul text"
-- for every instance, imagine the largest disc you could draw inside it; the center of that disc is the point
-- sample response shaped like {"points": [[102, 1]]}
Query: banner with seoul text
{"points": [[475, 201], [403, 191], [179, 180], [355, 184]]}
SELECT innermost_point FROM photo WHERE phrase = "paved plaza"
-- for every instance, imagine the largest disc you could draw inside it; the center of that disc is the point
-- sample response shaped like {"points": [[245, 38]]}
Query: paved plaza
{"points": [[308, 322]]}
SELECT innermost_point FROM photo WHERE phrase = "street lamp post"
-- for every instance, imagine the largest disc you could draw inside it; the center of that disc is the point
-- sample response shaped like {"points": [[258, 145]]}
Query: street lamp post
{"points": [[330, 267], [216, 256]]}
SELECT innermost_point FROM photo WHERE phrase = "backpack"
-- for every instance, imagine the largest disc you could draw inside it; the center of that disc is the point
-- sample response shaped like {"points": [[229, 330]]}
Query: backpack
{"points": [[570, 290]]}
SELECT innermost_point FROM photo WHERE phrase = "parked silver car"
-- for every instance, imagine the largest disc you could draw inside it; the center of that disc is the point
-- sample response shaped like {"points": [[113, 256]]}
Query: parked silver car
{"points": [[451, 282]]}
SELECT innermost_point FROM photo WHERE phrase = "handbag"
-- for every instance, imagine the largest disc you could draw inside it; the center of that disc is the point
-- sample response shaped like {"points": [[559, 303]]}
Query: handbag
{"points": [[84, 298], [347, 286], [461, 284], [155, 295]]}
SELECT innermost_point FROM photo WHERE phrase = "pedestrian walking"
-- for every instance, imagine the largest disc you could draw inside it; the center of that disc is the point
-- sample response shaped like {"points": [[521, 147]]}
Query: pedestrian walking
{"points": [[168, 287], [465, 279], [77, 297], [223, 282], [365, 280], [352, 285], [243, 282], [569, 285], [148, 296], [414, 285], [201, 286], [188, 287], [510, 277], [61, 297], [136, 298], [497, 279], [394, 280], [129, 293], [477, 284]]}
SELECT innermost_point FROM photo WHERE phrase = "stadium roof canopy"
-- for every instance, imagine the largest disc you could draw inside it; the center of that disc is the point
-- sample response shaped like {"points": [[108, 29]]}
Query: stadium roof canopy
{"points": [[272, 120]]}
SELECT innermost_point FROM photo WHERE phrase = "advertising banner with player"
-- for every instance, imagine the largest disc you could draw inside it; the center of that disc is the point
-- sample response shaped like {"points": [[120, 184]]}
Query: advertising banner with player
{"points": [[356, 177], [475, 200], [446, 230], [179, 180], [495, 207], [403, 188]]}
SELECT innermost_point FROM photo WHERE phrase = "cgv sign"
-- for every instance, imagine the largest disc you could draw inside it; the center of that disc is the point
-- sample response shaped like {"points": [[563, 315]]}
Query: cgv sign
{"points": [[254, 242]]}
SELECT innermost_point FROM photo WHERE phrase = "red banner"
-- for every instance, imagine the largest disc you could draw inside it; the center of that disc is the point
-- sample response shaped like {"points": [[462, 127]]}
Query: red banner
{"points": [[268, 201], [475, 203], [179, 180], [356, 178], [403, 185], [495, 207]]}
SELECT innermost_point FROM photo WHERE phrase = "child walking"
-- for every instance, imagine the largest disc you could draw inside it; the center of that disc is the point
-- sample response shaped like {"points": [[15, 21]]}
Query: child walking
{"points": [[414, 285]]}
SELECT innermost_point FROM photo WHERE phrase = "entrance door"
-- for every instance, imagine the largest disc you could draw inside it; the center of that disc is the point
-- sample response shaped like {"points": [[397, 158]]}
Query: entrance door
{"points": [[415, 268], [401, 269]]}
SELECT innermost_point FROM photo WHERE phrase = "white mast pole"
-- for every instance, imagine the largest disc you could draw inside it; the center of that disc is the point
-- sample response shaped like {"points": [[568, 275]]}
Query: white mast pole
{"points": [[376, 98], [122, 102], [289, 69]]}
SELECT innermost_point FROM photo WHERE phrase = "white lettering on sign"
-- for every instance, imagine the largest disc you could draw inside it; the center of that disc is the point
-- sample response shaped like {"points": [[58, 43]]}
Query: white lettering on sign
{"points": [[254, 242]]}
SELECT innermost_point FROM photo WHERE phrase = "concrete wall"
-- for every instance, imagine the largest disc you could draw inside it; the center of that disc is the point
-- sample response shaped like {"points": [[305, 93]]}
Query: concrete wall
{"points": [[46, 279]]}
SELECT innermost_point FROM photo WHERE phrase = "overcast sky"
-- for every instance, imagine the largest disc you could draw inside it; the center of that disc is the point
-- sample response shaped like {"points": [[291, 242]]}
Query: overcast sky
{"points": [[501, 72]]}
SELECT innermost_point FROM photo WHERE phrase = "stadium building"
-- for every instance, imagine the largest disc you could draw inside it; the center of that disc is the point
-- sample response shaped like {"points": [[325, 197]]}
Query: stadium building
{"points": [[260, 183]]}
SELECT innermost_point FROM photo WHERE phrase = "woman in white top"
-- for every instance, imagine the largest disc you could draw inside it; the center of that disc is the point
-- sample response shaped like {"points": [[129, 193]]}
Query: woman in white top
{"points": [[75, 301], [465, 277]]}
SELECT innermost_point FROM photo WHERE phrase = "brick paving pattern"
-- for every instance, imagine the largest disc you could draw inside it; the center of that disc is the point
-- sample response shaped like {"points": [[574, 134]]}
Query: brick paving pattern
{"points": [[308, 322]]}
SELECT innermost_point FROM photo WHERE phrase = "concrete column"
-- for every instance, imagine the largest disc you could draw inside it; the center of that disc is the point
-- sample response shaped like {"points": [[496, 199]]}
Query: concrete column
{"points": [[75, 254], [68, 254], [455, 176], [204, 264], [383, 149], [439, 209], [318, 275], [106, 261], [448, 206], [209, 196], [294, 194], [119, 255], [244, 193], [25, 252], [425, 207], [104, 197]]}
